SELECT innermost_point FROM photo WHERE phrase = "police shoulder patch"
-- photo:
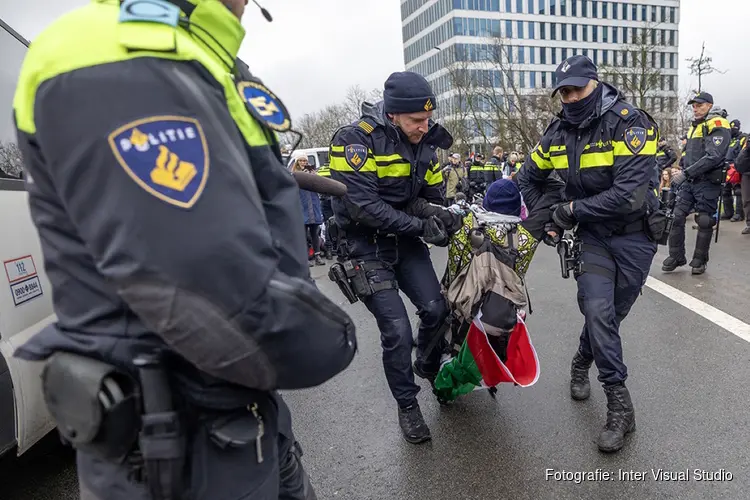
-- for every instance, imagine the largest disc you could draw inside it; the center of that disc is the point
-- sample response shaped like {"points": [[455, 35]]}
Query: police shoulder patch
{"points": [[265, 106], [165, 155], [152, 11], [356, 155], [717, 140], [635, 139]]}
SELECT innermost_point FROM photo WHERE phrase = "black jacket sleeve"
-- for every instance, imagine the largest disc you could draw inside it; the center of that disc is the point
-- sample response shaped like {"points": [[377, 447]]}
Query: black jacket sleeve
{"points": [[532, 177], [362, 201], [631, 175], [742, 163], [715, 145], [115, 150]]}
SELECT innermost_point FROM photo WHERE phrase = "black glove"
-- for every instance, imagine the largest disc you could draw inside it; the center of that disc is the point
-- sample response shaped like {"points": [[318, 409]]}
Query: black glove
{"points": [[434, 232], [678, 179], [549, 240], [563, 216], [423, 209]]}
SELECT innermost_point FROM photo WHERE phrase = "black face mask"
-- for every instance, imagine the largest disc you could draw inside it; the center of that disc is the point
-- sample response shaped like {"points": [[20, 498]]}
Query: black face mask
{"points": [[577, 112]]}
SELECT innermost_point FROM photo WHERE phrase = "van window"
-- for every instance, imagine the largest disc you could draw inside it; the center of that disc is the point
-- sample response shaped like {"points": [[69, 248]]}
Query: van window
{"points": [[324, 159], [13, 50]]}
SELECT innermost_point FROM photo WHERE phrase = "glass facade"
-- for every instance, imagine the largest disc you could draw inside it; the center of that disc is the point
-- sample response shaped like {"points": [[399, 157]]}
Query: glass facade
{"points": [[532, 37]]}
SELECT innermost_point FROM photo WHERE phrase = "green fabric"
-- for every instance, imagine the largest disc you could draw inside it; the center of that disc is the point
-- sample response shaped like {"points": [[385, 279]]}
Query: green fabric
{"points": [[458, 377]]}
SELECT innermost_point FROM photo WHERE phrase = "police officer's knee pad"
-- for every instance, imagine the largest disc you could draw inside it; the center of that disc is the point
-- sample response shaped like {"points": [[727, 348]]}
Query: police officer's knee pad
{"points": [[705, 221]]}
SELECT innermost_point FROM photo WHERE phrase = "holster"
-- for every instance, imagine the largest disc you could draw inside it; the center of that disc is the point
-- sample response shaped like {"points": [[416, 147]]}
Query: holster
{"points": [[658, 225], [95, 406], [351, 277], [569, 250]]}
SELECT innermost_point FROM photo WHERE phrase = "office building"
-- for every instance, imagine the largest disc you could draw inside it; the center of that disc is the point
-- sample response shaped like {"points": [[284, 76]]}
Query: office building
{"points": [[535, 36]]}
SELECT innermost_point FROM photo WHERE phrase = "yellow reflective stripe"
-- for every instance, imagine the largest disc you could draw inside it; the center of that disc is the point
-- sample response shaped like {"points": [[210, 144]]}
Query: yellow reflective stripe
{"points": [[621, 149], [540, 162], [559, 162], [660, 153], [394, 170], [591, 160], [717, 123], [557, 148], [340, 164], [324, 173], [56, 51], [434, 178], [337, 149], [385, 158]]}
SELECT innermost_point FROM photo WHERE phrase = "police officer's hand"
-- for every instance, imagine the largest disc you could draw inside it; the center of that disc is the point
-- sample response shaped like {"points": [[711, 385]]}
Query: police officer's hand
{"points": [[434, 232], [678, 179], [452, 222], [563, 215], [552, 234]]}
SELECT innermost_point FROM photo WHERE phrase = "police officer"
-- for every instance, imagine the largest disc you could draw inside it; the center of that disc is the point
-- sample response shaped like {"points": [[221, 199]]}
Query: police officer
{"points": [[388, 161], [493, 169], [604, 149], [477, 180], [665, 155], [327, 209], [699, 183], [732, 192], [140, 130]]}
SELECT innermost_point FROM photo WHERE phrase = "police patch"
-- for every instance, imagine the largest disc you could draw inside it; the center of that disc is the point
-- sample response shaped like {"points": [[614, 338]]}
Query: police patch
{"points": [[165, 155], [356, 155], [635, 139], [718, 140], [153, 11], [428, 106], [265, 106]]}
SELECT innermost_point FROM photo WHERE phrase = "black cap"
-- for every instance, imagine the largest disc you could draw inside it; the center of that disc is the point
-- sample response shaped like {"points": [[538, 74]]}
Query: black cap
{"points": [[575, 71], [701, 97], [735, 124], [408, 92]]}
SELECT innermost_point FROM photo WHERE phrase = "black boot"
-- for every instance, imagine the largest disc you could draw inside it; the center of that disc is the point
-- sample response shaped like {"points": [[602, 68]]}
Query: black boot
{"points": [[580, 387], [412, 424], [329, 254], [620, 418], [700, 255], [672, 263]]}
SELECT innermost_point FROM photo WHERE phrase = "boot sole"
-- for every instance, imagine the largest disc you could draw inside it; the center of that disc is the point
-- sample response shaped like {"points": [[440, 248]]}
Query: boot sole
{"points": [[580, 398], [418, 440], [618, 448]]}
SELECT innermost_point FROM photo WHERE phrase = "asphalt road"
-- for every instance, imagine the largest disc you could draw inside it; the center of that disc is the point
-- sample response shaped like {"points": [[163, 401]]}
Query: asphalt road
{"points": [[688, 379]]}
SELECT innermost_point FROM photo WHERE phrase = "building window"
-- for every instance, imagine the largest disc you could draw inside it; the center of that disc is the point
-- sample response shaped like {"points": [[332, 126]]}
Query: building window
{"points": [[532, 79], [522, 79], [521, 55], [595, 34], [519, 6], [564, 54], [551, 7], [542, 31], [605, 34], [532, 36], [552, 31], [596, 57], [585, 8], [563, 31], [543, 55], [594, 9], [671, 38], [531, 7], [532, 55], [653, 13], [672, 14], [604, 10], [624, 35], [554, 55], [574, 32], [605, 59], [544, 79], [653, 37], [615, 30], [624, 11], [563, 8], [634, 12], [508, 6], [585, 30], [625, 58], [671, 60], [644, 13], [663, 60], [519, 29], [509, 29]]}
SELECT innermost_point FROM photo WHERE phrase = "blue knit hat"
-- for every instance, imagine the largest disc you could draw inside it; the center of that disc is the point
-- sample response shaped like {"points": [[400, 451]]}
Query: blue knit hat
{"points": [[408, 92], [503, 197]]}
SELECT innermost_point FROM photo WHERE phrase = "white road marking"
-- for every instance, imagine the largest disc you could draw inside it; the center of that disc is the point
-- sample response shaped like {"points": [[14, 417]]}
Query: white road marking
{"points": [[716, 316]]}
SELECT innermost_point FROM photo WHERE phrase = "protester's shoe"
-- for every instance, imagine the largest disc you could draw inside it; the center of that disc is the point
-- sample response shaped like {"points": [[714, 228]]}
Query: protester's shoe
{"points": [[412, 424], [671, 263], [319, 260], [736, 218], [746, 230], [580, 386], [620, 418]]}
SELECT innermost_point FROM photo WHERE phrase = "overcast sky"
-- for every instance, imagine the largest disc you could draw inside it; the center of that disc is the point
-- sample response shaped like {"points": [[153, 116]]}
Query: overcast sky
{"points": [[315, 49]]}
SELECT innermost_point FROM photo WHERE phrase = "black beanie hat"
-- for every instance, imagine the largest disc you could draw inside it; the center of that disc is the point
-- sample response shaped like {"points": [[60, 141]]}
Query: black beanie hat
{"points": [[408, 92]]}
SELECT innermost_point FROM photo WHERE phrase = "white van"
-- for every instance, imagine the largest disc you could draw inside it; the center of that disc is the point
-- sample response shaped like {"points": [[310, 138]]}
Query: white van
{"points": [[25, 293], [316, 157]]}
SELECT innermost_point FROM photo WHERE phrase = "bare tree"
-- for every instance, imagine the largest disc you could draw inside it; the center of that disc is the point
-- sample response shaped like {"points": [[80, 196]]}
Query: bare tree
{"points": [[11, 162], [701, 66]]}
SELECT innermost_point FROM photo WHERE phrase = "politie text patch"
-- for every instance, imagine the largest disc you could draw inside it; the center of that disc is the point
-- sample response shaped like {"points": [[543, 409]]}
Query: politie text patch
{"points": [[265, 106], [165, 155], [635, 139], [356, 155]]}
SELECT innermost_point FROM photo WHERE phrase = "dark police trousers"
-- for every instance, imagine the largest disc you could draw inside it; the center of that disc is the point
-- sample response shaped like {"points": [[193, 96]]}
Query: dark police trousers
{"points": [[327, 210], [703, 196], [213, 473], [614, 271], [408, 262]]}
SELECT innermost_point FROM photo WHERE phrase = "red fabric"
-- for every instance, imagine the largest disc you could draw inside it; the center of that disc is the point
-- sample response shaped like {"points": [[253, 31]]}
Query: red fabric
{"points": [[521, 366], [733, 177], [717, 123]]}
